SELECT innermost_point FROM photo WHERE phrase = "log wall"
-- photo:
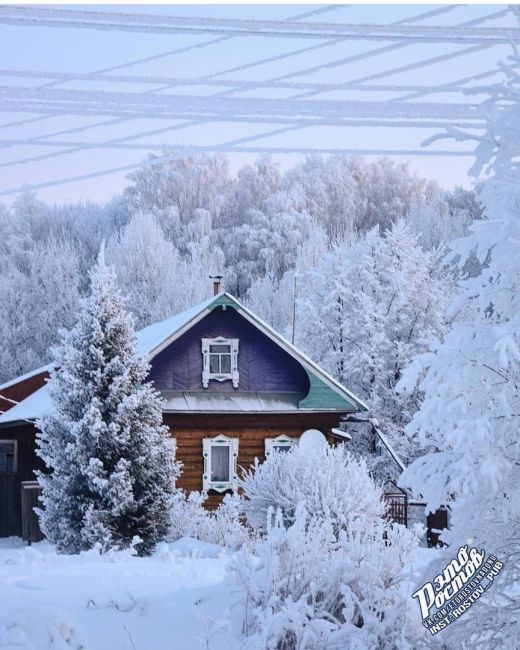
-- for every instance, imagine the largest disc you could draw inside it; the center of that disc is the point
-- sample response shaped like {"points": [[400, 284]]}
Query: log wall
{"points": [[190, 430], [11, 483]]}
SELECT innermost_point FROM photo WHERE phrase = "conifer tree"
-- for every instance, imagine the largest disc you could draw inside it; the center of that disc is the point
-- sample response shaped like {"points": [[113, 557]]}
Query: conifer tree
{"points": [[111, 465]]}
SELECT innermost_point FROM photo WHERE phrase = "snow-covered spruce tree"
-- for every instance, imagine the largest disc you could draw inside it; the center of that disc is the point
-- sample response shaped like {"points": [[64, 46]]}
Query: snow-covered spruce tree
{"points": [[322, 582], [111, 467], [469, 420]]}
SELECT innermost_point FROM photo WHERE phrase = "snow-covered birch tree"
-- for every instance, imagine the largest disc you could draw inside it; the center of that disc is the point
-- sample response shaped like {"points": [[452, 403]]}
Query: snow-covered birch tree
{"points": [[110, 465], [469, 420], [367, 309]]}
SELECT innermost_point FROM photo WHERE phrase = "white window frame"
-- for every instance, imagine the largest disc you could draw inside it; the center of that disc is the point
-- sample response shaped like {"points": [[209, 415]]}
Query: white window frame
{"points": [[15, 461], [220, 441], [280, 441], [207, 375]]}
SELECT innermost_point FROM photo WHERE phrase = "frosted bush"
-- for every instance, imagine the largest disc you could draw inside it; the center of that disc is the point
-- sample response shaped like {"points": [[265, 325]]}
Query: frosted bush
{"points": [[222, 526], [327, 572], [309, 588], [330, 482]]}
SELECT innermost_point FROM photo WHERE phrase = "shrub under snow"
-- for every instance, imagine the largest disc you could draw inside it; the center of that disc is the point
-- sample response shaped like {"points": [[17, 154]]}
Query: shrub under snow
{"points": [[311, 587], [222, 526], [329, 481]]}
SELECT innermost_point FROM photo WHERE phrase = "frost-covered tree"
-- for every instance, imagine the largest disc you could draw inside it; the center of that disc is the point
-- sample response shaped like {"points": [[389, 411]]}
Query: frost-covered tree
{"points": [[436, 221], [254, 226], [328, 576], [349, 195], [252, 188], [175, 189], [468, 422], [367, 309], [269, 242], [274, 298], [38, 297], [146, 265], [150, 268], [111, 467]]}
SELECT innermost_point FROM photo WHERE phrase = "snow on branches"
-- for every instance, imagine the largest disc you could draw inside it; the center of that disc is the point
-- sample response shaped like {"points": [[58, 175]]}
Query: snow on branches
{"points": [[468, 422], [327, 572], [110, 462], [341, 486], [367, 309]]}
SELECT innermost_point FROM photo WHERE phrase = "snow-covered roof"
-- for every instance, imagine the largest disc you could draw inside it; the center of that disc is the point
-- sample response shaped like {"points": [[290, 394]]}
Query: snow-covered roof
{"points": [[27, 375], [34, 406], [153, 339]]}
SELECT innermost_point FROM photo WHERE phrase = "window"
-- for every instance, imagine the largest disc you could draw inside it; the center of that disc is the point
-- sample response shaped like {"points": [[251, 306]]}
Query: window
{"points": [[219, 360], [281, 444], [220, 463], [7, 456]]}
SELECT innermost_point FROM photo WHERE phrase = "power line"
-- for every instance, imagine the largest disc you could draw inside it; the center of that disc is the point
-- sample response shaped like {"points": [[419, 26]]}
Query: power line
{"points": [[239, 84], [38, 16], [110, 102], [147, 59], [420, 16], [198, 45], [290, 114], [386, 49], [114, 143]]}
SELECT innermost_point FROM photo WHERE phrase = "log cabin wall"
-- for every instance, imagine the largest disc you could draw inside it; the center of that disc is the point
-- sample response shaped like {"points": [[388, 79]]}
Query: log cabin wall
{"points": [[263, 366], [11, 482], [190, 429]]}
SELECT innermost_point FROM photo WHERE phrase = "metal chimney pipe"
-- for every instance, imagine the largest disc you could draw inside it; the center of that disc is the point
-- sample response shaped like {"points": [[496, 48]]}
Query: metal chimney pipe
{"points": [[217, 284]]}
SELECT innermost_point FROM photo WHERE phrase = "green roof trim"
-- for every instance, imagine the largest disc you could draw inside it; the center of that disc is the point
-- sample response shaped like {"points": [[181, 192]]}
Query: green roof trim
{"points": [[321, 396], [223, 300]]}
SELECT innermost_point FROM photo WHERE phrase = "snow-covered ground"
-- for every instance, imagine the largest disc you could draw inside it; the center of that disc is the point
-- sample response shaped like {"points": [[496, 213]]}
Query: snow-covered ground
{"points": [[173, 600], [178, 599]]}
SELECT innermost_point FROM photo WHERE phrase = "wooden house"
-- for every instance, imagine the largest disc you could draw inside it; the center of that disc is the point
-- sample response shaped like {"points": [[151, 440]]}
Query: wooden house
{"points": [[233, 389]]}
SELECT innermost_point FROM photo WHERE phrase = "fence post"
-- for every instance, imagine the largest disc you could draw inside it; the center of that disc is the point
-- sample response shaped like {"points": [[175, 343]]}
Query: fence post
{"points": [[31, 492]]}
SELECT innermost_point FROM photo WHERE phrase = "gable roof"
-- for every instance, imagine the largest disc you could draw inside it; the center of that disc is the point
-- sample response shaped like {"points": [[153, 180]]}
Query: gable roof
{"points": [[325, 392], [157, 337]]}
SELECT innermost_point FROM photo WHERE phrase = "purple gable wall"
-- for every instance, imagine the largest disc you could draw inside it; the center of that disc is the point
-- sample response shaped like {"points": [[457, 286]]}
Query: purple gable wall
{"points": [[263, 366]]}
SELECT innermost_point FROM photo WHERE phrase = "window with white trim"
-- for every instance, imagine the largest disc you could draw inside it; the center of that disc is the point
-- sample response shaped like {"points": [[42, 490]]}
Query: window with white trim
{"points": [[220, 463], [8, 456], [219, 360], [281, 443]]}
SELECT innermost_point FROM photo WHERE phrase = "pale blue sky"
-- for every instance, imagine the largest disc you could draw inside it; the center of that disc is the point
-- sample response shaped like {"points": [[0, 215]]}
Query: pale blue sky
{"points": [[71, 50]]}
